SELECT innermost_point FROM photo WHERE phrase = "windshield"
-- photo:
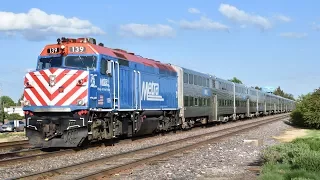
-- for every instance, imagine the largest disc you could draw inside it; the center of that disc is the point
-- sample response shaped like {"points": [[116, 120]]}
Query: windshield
{"points": [[83, 62], [9, 123], [45, 63]]}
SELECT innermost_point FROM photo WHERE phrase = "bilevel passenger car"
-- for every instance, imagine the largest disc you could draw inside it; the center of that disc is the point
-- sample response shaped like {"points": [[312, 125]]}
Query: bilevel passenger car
{"points": [[82, 92]]}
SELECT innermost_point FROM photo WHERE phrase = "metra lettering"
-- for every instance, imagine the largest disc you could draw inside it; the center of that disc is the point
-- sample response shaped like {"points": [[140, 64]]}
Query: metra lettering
{"points": [[150, 91], [104, 82]]}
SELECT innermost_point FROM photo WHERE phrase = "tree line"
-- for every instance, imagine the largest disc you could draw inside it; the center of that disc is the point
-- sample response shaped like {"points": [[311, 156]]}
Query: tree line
{"points": [[7, 102], [277, 91]]}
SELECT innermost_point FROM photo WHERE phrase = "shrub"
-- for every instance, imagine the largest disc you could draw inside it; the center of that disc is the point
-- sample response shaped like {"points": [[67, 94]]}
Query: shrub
{"points": [[301, 174], [308, 160], [312, 142], [283, 153], [307, 112], [299, 159]]}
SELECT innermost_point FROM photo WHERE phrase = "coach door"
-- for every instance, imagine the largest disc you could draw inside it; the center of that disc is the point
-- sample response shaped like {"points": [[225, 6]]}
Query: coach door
{"points": [[214, 109], [136, 89]]}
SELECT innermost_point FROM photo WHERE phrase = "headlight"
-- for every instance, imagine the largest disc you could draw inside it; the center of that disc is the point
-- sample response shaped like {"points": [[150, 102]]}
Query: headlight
{"points": [[52, 77], [26, 103], [81, 102]]}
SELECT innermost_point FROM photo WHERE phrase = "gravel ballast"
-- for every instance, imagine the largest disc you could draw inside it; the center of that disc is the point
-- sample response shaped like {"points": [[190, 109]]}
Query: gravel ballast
{"points": [[230, 159], [225, 157]]}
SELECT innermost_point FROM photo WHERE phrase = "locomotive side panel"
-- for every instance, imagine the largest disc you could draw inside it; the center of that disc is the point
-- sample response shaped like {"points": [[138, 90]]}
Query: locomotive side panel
{"points": [[158, 91]]}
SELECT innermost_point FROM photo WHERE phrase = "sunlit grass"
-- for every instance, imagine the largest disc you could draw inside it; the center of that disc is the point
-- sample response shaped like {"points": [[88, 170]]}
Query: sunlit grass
{"points": [[312, 133], [11, 134]]}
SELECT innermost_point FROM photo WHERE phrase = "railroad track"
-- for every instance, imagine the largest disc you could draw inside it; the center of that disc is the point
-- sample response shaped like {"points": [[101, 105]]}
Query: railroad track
{"points": [[107, 166], [29, 155], [14, 144]]}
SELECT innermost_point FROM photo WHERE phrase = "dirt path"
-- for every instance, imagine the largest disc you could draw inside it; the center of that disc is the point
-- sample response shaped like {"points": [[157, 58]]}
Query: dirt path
{"points": [[290, 134]]}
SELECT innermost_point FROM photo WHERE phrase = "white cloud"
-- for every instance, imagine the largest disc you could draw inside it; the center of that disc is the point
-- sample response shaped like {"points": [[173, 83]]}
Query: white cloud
{"points": [[242, 17], [282, 18], [204, 24], [316, 26], [293, 35], [147, 31], [194, 11], [171, 21], [37, 24], [243, 26]]}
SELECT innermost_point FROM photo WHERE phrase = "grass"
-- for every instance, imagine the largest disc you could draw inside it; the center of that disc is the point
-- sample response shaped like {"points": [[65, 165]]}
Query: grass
{"points": [[312, 134], [299, 159], [11, 134]]}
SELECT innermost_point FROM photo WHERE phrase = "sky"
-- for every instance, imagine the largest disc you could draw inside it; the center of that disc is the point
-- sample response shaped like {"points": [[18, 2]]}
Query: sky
{"points": [[263, 43]]}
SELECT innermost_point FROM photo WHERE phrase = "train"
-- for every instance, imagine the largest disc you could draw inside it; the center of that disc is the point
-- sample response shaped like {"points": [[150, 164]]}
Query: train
{"points": [[83, 92]]}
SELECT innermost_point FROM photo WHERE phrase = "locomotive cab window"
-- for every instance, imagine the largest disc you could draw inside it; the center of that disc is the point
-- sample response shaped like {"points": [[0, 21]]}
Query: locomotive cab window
{"points": [[103, 66], [82, 62], [45, 63]]}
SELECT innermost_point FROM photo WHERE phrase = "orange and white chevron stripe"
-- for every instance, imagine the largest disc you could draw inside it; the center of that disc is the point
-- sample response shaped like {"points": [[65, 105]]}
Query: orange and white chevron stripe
{"points": [[56, 87]]}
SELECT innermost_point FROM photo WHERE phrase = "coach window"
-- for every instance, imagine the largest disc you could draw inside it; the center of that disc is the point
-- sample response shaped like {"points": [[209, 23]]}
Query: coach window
{"points": [[186, 100], [196, 102], [200, 101], [196, 80], [191, 101], [208, 102], [204, 101], [190, 78], [185, 78], [213, 83]]}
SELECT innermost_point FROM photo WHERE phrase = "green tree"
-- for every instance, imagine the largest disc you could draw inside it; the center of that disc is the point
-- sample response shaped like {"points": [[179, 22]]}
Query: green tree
{"points": [[281, 93], [257, 87], [3, 116], [307, 112], [14, 116], [235, 80], [6, 101]]}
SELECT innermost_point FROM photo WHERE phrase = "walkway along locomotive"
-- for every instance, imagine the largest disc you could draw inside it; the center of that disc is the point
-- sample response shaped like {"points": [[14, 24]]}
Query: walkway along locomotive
{"points": [[82, 92]]}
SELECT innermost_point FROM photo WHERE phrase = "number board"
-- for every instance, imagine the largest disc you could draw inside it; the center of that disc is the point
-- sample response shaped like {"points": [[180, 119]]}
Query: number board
{"points": [[53, 50], [77, 49]]}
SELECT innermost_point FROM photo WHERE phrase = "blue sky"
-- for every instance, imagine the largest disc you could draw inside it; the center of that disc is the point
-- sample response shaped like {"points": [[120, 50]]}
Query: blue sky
{"points": [[263, 43]]}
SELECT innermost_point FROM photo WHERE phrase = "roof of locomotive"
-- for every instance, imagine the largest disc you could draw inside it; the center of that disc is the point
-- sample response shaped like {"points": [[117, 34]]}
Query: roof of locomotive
{"points": [[118, 53], [132, 57]]}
